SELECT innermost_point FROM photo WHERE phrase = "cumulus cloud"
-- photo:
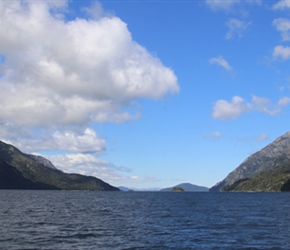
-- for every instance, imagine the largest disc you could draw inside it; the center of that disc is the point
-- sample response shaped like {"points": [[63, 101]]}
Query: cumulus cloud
{"points": [[283, 25], [281, 5], [59, 76], [89, 141], [236, 28], [86, 141], [81, 71], [87, 164], [225, 110], [282, 52], [230, 110], [220, 61]]}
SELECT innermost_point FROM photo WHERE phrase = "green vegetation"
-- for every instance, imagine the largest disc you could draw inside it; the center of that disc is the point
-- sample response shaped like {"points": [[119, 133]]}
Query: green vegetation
{"points": [[266, 170], [275, 180], [187, 187], [178, 189], [30, 174]]}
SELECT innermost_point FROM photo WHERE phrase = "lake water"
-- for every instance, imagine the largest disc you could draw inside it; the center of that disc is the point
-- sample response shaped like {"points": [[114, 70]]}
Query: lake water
{"points": [[143, 220]]}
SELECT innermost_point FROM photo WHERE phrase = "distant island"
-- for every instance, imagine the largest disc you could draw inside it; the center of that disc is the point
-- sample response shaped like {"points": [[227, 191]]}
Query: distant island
{"points": [[177, 189], [186, 187], [23, 171], [267, 170]]}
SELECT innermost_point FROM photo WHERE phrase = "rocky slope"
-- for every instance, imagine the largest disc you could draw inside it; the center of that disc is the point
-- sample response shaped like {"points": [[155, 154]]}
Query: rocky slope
{"points": [[270, 165], [40, 159], [21, 171]]}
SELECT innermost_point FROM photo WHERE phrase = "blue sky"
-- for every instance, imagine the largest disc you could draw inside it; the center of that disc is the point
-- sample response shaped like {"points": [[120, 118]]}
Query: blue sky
{"points": [[145, 93]]}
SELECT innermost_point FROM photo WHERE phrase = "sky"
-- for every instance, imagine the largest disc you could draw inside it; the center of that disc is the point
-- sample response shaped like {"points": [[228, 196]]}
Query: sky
{"points": [[141, 93]]}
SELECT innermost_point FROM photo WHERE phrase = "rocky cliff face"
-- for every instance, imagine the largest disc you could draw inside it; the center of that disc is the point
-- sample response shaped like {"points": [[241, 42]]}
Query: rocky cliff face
{"points": [[267, 160]]}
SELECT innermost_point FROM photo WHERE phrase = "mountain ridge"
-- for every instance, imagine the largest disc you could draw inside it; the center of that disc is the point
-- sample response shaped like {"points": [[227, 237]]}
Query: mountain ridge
{"points": [[20, 171], [269, 162]]}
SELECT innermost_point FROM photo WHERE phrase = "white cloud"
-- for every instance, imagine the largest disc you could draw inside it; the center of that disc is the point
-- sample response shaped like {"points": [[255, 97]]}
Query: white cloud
{"points": [[87, 164], [220, 61], [283, 25], [95, 11], [86, 141], [77, 72], [236, 28], [229, 110], [264, 105], [281, 5], [281, 52], [116, 117], [59, 76], [89, 141], [90, 165], [225, 110]]}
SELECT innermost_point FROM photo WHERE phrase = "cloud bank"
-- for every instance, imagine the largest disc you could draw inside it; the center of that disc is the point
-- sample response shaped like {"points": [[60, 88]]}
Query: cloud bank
{"points": [[225, 110], [63, 72], [59, 76]]}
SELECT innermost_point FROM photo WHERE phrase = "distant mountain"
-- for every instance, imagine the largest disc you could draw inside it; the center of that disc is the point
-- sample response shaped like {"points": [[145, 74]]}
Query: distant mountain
{"points": [[125, 189], [187, 187], [22, 171], [265, 170]]}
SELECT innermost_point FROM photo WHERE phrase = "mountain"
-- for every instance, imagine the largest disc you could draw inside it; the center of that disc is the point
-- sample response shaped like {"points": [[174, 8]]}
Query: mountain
{"points": [[187, 187], [125, 189], [22, 171], [129, 189], [40, 159], [265, 170]]}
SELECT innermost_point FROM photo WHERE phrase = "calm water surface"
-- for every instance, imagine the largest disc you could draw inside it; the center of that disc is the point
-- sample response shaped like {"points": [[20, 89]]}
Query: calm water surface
{"points": [[120, 220]]}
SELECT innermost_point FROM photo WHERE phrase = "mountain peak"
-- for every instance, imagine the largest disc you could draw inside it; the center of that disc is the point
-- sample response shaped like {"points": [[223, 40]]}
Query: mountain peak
{"points": [[274, 155]]}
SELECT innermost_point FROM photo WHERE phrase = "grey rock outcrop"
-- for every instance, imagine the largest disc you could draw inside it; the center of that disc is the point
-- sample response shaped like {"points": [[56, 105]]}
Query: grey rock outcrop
{"points": [[274, 155]]}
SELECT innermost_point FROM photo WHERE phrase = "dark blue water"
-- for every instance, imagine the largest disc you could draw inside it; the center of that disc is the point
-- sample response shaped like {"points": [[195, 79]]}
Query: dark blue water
{"points": [[119, 220]]}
